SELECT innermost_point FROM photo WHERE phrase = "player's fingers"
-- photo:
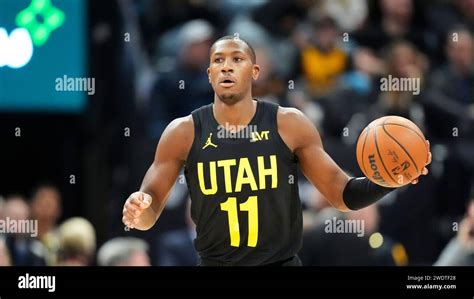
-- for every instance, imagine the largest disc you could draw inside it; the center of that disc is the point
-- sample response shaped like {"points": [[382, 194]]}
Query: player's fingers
{"points": [[141, 200], [429, 151], [127, 212], [146, 201], [134, 210], [127, 222], [132, 216], [424, 171], [414, 182], [135, 200], [128, 215], [131, 221]]}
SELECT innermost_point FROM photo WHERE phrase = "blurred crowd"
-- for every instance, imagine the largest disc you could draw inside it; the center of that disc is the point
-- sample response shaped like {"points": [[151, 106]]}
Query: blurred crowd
{"points": [[50, 243], [324, 57]]}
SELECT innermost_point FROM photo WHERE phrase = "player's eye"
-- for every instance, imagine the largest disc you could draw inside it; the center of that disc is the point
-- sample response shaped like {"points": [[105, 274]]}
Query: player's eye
{"points": [[238, 59], [218, 60]]}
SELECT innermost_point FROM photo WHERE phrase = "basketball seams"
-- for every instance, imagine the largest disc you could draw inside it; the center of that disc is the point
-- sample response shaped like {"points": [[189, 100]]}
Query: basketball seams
{"points": [[418, 134], [363, 147], [380, 156], [402, 147], [400, 125]]}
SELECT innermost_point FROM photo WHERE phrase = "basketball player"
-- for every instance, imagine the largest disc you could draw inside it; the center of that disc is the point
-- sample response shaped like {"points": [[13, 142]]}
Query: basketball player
{"points": [[244, 191]]}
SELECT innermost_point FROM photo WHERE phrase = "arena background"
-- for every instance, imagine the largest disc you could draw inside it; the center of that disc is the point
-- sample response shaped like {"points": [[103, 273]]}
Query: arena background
{"points": [[79, 153]]}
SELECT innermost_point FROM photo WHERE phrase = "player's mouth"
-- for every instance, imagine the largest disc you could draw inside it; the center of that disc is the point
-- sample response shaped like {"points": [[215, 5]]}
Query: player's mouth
{"points": [[226, 83]]}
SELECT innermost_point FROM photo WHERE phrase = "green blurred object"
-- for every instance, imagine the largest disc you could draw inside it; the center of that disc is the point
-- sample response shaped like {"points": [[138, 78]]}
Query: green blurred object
{"points": [[51, 17], [57, 33]]}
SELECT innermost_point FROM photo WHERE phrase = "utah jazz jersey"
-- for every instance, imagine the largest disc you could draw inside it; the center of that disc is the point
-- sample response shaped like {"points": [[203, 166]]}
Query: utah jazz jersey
{"points": [[244, 190]]}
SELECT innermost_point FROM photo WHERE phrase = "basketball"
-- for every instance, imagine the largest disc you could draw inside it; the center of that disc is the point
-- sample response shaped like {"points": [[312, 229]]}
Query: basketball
{"points": [[392, 151]]}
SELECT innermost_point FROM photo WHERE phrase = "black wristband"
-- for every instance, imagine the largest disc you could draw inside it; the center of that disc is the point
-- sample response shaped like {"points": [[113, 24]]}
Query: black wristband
{"points": [[361, 192]]}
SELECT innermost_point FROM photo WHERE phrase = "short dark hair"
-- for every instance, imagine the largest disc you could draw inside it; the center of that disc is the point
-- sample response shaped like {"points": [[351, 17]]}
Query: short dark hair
{"points": [[232, 37]]}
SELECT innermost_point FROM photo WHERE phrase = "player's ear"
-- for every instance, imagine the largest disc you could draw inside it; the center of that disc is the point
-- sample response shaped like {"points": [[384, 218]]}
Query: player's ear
{"points": [[209, 75], [255, 71]]}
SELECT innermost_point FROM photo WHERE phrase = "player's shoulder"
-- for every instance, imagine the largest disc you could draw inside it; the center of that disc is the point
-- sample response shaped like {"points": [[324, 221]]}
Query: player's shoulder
{"points": [[286, 117], [289, 116], [181, 126], [178, 137], [295, 127]]}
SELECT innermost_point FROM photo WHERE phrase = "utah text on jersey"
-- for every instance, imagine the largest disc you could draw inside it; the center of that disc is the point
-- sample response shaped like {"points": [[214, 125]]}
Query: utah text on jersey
{"points": [[245, 174]]}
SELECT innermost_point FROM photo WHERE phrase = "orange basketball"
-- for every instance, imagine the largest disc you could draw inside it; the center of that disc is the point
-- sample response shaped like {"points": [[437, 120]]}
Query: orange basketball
{"points": [[392, 151]]}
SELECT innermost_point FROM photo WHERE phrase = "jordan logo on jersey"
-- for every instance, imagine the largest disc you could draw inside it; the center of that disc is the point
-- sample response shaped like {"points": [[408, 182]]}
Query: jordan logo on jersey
{"points": [[209, 142]]}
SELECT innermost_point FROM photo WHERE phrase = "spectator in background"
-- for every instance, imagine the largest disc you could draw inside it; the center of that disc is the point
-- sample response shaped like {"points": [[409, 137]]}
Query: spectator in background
{"points": [[385, 250], [176, 247], [46, 208], [460, 250], [282, 17], [160, 16], [124, 251], [441, 18], [449, 108], [5, 259], [392, 20], [322, 246], [366, 66], [2, 207], [77, 242], [186, 87], [465, 10], [269, 86], [402, 61], [359, 88], [24, 250], [449, 99], [282, 21], [349, 15], [322, 61]]}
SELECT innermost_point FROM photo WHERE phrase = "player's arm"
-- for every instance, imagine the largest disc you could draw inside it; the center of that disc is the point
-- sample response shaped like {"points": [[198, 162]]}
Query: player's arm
{"points": [[343, 192], [304, 140], [142, 208]]}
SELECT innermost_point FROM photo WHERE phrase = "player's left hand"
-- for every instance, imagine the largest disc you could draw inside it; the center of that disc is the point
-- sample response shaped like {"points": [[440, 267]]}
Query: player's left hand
{"points": [[425, 170]]}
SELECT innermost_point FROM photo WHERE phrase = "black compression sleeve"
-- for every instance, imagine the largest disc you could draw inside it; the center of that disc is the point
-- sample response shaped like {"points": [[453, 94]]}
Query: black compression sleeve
{"points": [[361, 192]]}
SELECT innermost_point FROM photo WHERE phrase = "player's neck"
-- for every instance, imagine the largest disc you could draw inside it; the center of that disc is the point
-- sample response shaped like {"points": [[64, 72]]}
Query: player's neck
{"points": [[238, 114]]}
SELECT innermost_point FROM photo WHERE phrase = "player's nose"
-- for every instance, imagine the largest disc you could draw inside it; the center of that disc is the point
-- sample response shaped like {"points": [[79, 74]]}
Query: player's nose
{"points": [[227, 66]]}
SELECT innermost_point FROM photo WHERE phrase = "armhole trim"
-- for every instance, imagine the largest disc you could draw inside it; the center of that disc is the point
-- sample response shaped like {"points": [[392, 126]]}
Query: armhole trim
{"points": [[285, 149], [197, 137]]}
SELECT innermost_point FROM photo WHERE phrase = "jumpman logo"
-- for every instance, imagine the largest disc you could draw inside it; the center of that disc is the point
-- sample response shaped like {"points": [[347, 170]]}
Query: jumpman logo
{"points": [[209, 142]]}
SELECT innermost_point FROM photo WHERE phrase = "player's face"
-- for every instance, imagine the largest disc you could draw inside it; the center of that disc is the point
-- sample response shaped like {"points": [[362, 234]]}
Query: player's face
{"points": [[231, 70]]}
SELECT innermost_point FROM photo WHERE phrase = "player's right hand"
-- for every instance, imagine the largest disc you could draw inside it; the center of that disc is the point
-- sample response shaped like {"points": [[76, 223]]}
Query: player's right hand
{"points": [[133, 208]]}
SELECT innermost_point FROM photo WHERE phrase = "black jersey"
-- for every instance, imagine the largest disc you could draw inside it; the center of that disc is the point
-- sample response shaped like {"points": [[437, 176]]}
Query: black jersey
{"points": [[244, 190]]}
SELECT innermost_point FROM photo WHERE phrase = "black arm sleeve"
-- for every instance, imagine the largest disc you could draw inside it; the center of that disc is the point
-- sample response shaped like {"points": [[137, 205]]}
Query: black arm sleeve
{"points": [[361, 192]]}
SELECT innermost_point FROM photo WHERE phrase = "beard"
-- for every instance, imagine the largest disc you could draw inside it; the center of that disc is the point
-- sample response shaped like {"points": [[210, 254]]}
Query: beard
{"points": [[230, 98]]}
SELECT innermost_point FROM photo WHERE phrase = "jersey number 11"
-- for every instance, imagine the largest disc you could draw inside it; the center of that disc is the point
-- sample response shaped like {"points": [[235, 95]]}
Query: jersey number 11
{"points": [[251, 206]]}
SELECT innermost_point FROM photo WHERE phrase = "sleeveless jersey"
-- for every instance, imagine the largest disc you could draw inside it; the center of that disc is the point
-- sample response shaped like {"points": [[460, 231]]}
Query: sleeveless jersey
{"points": [[244, 190]]}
